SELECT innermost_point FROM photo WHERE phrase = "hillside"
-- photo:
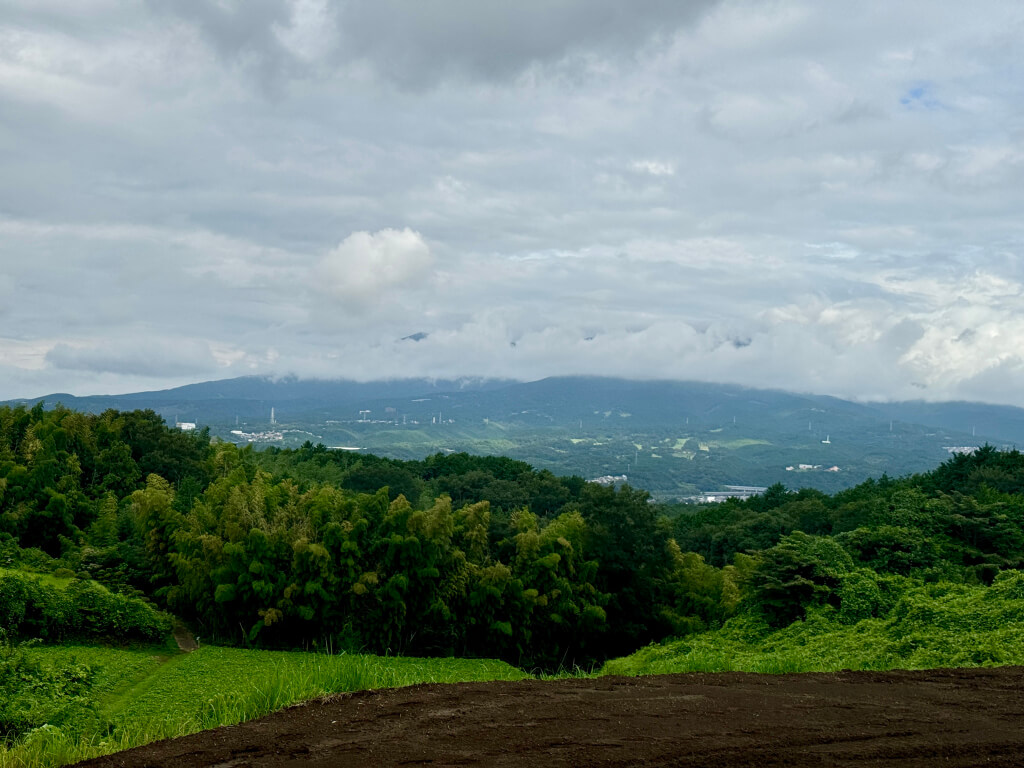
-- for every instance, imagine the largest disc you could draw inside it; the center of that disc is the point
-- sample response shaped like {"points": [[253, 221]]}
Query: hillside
{"points": [[671, 438]]}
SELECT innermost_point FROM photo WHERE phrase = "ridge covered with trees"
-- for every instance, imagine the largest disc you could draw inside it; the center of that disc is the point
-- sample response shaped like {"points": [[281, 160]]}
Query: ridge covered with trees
{"points": [[462, 555]]}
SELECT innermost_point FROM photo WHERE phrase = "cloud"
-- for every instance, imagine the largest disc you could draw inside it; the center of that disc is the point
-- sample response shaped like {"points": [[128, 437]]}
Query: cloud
{"points": [[724, 190], [247, 33], [152, 358], [366, 266], [415, 45], [653, 167]]}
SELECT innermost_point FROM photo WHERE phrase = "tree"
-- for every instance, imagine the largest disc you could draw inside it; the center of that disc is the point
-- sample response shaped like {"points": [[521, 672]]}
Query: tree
{"points": [[624, 538], [153, 509], [799, 571]]}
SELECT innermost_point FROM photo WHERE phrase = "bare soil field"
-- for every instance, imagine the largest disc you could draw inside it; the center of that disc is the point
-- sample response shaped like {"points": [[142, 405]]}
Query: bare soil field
{"points": [[956, 717]]}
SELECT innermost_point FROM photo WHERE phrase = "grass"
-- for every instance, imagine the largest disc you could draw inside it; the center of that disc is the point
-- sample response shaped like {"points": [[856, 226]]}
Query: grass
{"points": [[43, 578], [117, 669], [145, 695], [51, 579], [741, 442], [932, 625], [226, 685]]}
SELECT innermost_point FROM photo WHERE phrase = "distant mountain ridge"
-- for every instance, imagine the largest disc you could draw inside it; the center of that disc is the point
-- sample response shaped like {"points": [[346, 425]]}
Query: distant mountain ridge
{"points": [[250, 397], [554, 400], [672, 438]]}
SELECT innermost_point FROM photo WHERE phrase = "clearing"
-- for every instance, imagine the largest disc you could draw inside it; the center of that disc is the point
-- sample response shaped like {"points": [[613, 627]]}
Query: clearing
{"points": [[953, 717]]}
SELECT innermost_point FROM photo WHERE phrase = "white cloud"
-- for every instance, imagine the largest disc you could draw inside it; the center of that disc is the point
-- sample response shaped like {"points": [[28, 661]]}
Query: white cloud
{"points": [[653, 167], [987, 163], [25, 354], [366, 266], [309, 33]]}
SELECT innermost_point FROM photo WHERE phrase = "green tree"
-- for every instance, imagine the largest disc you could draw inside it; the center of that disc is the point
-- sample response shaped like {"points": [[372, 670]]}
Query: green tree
{"points": [[798, 572], [154, 512]]}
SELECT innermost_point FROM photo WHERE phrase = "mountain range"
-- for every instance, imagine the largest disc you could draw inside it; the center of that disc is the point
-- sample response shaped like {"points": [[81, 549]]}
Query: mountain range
{"points": [[671, 437]]}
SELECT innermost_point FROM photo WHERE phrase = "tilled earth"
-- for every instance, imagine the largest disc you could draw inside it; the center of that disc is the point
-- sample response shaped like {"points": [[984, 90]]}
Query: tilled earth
{"points": [[956, 717]]}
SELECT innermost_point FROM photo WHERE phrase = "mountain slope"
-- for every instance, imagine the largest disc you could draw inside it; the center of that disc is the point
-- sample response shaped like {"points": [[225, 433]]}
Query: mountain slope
{"points": [[670, 437]]}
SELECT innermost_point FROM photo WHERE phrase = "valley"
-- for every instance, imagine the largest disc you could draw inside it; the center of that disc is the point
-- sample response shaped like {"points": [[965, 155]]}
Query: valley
{"points": [[674, 439]]}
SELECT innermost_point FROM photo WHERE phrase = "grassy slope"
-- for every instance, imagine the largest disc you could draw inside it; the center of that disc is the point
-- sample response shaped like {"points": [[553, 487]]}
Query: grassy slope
{"points": [[217, 685], [146, 694], [935, 625]]}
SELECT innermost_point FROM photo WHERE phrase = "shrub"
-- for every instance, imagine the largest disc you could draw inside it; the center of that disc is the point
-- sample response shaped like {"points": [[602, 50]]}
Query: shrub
{"points": [[33, 694], [84, 609]]}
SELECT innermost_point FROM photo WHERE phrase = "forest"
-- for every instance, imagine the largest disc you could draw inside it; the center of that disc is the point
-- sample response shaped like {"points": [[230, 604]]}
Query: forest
{"points": [[454, 554]]}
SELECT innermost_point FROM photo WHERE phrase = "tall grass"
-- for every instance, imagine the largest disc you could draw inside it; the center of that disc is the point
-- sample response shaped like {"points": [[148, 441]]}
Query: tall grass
{"points": [[933, 625], [222, 686]]}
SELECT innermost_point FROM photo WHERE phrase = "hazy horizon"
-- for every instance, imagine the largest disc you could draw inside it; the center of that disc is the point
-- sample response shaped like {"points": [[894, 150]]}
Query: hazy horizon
{"points": [[483, 379]]}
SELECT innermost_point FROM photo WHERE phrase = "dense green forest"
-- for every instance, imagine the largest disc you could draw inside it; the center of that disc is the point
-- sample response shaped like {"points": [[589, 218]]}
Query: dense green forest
{"points": [[453, 554]]}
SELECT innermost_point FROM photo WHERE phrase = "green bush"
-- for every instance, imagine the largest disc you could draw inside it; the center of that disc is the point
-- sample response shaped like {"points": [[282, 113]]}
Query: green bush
{"points": [[107, 614], [13, 601], [859, 596], [33, 609], [33, 694]]}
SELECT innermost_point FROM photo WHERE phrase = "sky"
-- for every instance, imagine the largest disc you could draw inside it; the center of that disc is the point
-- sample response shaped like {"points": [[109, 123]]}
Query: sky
{"points": [[813, 196]]}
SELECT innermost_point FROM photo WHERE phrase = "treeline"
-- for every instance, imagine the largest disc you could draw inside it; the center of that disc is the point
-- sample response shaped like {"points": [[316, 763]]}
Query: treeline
{"points": [[961, 523], [478, 556], [964, 518], [455, 554], [59, 469]]}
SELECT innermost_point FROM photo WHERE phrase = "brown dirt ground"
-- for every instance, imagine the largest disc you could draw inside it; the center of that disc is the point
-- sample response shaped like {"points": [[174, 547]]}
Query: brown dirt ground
{"points": [[953, 717]]}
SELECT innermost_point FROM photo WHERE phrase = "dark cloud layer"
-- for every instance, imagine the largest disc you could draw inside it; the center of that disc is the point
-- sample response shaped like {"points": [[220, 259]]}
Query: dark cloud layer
{"points": [[421, 43], [416, 44]]}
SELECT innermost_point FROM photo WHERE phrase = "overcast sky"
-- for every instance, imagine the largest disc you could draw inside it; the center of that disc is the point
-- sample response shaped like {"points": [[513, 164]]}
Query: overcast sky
{"points": [[818, 196]]}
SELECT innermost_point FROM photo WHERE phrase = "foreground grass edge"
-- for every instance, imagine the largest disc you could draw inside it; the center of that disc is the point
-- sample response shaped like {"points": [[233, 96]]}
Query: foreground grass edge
{"points": [[224, 686]]}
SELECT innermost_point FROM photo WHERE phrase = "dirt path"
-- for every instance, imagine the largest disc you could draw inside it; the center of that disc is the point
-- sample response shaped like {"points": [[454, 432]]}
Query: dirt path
{"points": [[939, 717], [185, 640]]}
